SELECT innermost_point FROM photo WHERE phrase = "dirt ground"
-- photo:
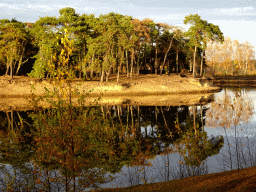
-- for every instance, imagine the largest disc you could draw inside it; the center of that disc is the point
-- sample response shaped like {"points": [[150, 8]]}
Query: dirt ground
{"points": [[141, 90]]}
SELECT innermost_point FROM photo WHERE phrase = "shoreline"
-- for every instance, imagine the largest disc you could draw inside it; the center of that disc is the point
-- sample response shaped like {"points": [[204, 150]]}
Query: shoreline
{"points": [[149, 85], [145, 90]]}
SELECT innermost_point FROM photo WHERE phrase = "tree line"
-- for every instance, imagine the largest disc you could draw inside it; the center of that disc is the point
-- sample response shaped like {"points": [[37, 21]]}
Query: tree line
{"points": [[231, 57], [105, 45]]}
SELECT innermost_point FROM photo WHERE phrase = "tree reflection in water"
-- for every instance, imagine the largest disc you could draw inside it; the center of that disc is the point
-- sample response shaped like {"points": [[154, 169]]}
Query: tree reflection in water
{"points": [[72, 149], [228, 113]]}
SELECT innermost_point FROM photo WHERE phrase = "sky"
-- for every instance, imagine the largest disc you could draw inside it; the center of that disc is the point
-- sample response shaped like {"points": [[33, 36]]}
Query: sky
{"points": [[235, 18]]}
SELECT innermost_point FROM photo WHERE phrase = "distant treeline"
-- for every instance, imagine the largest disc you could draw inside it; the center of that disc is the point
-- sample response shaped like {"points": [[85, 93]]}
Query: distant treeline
{"points": [[104, 45]]}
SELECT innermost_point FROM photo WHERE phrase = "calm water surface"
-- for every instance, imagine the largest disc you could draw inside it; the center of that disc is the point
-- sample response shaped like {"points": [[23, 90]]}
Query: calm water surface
{"points": [[119, 146]]}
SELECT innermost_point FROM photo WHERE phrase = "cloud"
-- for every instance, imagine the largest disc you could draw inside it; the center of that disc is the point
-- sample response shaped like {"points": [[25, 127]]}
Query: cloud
{"points": [[45, 8], [11, 6], [246, 11], [163, 18]]}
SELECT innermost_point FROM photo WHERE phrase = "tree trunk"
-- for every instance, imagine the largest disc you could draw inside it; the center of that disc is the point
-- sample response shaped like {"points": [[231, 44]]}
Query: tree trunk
{"points": [[7, 69], [194, 64], [138, 64], [132, 63], [91, 74], [126, 59], [79, 61], [11, 70], [107, 74], [118, 71], [102, 77], [201, 68], [165, 56], [7, 66], [190, 65], [177, 60], [20, 63], [156, 61], [145, 56]]}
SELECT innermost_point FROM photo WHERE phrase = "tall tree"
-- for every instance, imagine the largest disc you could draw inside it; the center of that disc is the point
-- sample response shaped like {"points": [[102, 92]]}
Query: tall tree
{"points": [[200, 32], [177, 36], [13, 39], [44, 32], [142, 31]]}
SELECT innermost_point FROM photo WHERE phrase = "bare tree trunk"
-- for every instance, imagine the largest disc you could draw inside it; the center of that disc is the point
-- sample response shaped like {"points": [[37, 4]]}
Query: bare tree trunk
{"points": [[8, 65], [107, 74], [20, 63], [11, 71], [102, 77], [201, 68], [165, 56], [126, 59], [138, 64], [156, 61], [80, 68], [145, 56], [177, 60], [190, 65], [7, 69], [194, 64], [118, 71], [132, 63]]}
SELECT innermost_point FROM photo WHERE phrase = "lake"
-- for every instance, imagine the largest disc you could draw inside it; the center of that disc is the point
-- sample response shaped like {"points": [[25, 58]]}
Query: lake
{"points": [[78, 149]]}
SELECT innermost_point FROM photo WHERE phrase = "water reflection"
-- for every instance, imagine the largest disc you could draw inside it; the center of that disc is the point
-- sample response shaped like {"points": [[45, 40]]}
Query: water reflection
{"points": [[230, 113], [230, 110], [74, 149]]}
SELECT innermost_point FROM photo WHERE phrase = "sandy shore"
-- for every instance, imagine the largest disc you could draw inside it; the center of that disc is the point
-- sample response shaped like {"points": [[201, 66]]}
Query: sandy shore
{"points": [[141, 90]]}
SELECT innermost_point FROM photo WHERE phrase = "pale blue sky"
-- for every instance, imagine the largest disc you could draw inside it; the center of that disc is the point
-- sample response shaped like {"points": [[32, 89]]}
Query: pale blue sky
{"points": [[235, 18]]}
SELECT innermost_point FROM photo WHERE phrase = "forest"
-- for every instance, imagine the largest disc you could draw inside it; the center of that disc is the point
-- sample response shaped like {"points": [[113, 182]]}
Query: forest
{"points": [[117, 44]]}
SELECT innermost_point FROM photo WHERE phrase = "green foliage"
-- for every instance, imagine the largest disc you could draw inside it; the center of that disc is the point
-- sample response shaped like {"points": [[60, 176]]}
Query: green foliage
{"points": [[47, 41], [13, 39], [104, 44], [200, 33]]}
